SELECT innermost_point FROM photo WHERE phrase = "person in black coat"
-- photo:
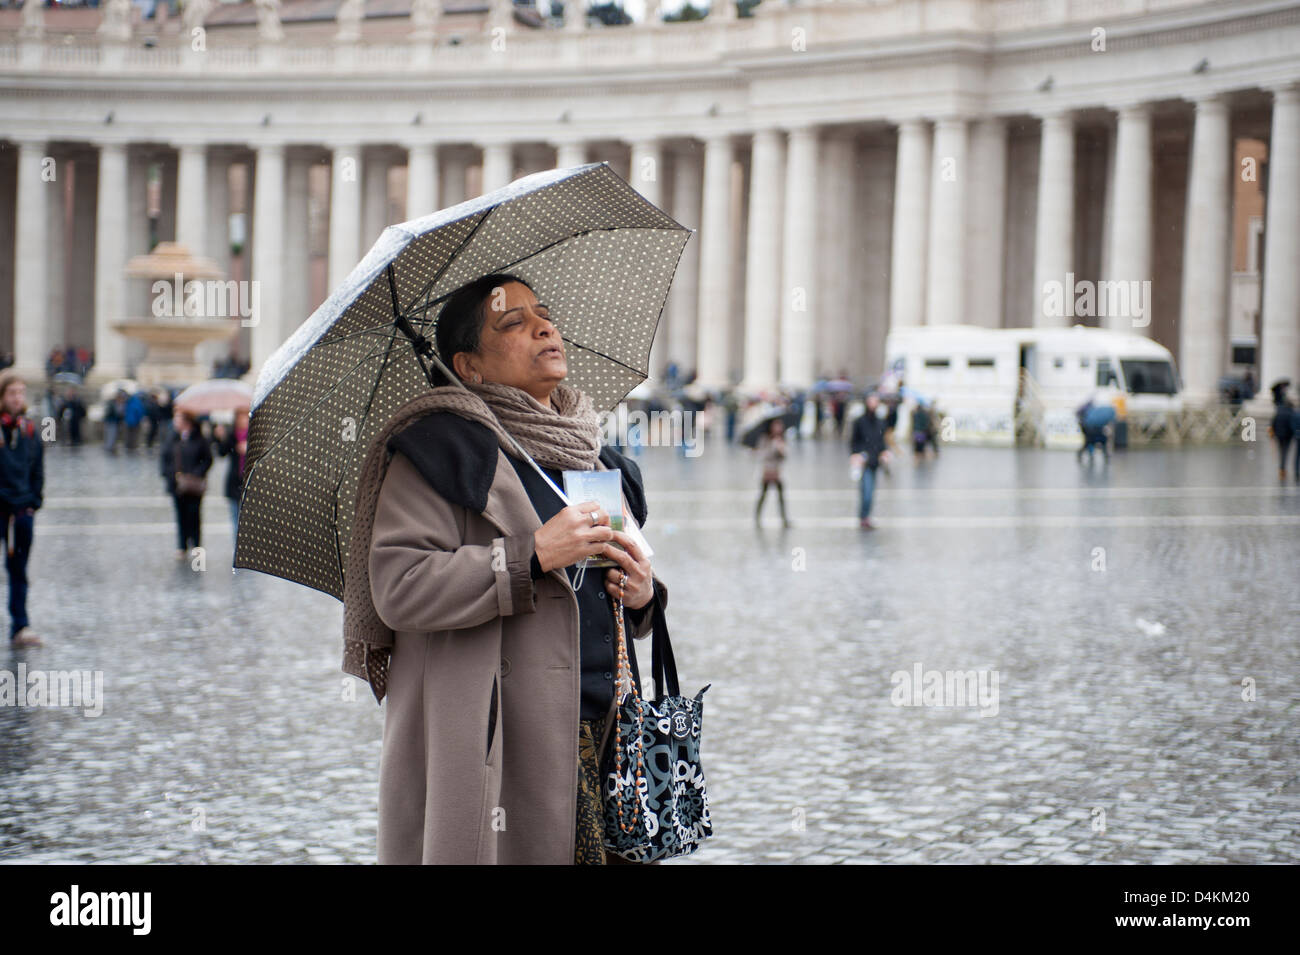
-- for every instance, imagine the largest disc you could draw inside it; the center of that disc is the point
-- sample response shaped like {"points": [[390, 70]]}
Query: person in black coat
{"points": [[1283, 429], [232, 442], [185, 448], [22, 488], [867, 446]]}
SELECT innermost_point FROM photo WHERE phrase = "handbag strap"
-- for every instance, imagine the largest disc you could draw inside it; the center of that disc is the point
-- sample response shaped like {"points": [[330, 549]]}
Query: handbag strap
{"points": [[663, 667]]}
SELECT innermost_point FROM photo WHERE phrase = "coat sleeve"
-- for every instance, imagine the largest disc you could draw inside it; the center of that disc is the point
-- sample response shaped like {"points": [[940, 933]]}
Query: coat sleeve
{"points": [[37, 477], [422, 577], [640, 623]]}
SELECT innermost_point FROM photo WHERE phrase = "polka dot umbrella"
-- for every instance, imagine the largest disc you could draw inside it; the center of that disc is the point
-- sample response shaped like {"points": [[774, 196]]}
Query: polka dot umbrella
{"points": [[592, 247]]}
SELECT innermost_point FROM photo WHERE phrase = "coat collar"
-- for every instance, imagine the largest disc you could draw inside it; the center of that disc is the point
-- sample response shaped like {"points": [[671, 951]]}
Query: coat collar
{"points": [[463, 461]]}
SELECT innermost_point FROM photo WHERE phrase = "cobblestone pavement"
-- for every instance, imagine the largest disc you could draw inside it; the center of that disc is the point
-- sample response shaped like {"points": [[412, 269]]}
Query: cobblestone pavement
{"points": [[1121, 610]]}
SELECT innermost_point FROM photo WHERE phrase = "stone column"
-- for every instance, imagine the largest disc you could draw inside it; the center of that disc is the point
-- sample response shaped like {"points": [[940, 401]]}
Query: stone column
{"points": [[1207, 261], [911, 224], [31, 266], [498, 166], [986, 227], [684, 295], [421, 180], [1280, 313], [55, 318], [946, 256], [1054, 236], [296, 293], [191, 197], [268, 253], [217, 241], [714, 313], [345, 213], [646, 168], [374, 199], [457, 190], [1131, 220], [763, 272], [799, 296], [111, 253], [570, 154]]}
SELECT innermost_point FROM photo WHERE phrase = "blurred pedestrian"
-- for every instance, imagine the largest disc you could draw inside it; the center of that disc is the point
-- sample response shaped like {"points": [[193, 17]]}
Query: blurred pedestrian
{"points": [[1283, 428], [132, 415], [868, 452], [22, 488], [772, 451], [1095, 414], [70, 413], [114, 414], [233, 443], [184, 462]]}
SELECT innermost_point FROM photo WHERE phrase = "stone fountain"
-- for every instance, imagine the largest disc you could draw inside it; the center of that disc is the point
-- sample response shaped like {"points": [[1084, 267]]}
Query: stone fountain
{"points": [[190, 306]]}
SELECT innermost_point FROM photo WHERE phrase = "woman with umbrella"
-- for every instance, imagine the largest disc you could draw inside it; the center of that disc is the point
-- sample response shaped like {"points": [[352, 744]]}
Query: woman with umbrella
{"points": [[224, 395], [184, 462], [490, 745]]}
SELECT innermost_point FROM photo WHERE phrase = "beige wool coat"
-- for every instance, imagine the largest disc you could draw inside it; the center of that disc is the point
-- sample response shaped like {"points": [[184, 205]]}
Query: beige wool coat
{"points": [[454, 586]]}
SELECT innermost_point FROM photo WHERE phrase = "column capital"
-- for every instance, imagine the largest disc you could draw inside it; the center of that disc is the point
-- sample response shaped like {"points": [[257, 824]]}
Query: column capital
{"points": [[1285, 92], [803, 130], [1131, 108], [951, 121], [912, 123], [1056, 116], [1212, 100], [188, 144]]}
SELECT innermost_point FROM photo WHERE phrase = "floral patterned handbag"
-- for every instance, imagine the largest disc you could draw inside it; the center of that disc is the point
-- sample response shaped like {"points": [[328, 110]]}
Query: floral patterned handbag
{"points": [[655, 801]]}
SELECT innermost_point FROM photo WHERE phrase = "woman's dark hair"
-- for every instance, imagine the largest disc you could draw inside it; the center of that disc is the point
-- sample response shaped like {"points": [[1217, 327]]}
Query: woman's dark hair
{"points": [[461, 319]]}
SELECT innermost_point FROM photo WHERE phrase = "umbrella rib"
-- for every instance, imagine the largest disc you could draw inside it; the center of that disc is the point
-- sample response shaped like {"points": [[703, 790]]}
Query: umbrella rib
{"points": [[289, 430]]}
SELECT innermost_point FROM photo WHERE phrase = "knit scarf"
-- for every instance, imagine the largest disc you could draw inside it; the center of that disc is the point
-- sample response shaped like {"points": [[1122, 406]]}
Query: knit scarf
{"points": [[565, 436]]}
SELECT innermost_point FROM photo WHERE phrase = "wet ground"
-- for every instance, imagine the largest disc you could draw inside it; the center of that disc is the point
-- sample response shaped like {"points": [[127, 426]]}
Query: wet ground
{"points": [[1121, 610]]}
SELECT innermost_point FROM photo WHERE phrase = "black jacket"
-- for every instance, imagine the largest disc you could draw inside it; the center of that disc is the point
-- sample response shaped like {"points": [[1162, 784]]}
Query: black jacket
{"points": [[196, 456], [22, 466], [234, 476], [868, 438]]}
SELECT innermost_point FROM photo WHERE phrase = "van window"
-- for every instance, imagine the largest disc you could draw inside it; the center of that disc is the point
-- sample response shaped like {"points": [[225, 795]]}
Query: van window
{"points": [[979, 362], [1084, 361], [1149, 377], [936, 363], [1105, 374]]}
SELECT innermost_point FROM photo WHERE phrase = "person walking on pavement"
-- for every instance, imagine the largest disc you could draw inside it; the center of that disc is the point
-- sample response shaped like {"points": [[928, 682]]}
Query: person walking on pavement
{"points": [[1283, 429], [185, 451], [233, 442], [868, 452], [71, 411], [772, 450], [22, 488]]}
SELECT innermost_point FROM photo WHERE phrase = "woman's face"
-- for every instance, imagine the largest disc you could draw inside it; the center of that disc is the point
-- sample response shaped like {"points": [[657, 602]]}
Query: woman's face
{"points": [[518, 345]]}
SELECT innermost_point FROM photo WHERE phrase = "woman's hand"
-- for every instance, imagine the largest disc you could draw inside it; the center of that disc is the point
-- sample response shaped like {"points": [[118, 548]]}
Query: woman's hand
{"points": [[570, 535], [639, 588]]}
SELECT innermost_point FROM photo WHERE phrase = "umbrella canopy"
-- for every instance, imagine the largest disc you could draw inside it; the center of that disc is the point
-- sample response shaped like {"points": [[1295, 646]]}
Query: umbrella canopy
{"points": [[129, 385], [215, 394], [593, 249]]}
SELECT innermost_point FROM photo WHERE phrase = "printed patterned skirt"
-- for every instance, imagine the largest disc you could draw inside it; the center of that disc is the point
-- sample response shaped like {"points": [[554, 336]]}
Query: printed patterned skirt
{"points": [[589, 848]]}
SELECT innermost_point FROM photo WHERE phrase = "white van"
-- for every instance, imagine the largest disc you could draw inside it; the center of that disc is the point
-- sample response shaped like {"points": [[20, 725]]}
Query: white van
{"points": [[979, 377]]}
